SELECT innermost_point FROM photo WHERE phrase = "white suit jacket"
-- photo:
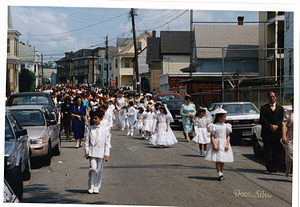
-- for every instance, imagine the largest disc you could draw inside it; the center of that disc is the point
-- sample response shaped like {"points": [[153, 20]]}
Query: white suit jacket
{"points": [[97, 146]]}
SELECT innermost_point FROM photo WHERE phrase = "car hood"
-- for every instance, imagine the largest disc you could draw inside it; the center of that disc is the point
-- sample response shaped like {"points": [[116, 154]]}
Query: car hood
{"points": [[242, 117], [35, 131]]}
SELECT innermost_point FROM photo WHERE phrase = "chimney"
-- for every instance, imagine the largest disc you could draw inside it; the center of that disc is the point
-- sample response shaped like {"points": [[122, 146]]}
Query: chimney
{"points": [[240, 20], [154, 33], [27, 43]]}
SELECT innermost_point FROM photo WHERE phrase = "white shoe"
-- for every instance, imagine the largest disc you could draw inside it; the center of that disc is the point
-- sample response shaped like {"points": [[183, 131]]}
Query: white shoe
{"points": [[128, 134], [91, 190], [131, 135], [286, 178], [96, 190], [201, 153]]}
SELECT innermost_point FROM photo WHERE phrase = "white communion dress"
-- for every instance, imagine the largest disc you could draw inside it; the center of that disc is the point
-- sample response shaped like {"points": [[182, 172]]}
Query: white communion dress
{"points": [[220, 130], [201, 134], [149, 118], [161, 136], [139, 122]]}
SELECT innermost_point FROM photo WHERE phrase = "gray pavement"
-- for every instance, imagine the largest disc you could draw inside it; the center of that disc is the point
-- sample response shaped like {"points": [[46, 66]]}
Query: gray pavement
{"points": [[140, 174]]}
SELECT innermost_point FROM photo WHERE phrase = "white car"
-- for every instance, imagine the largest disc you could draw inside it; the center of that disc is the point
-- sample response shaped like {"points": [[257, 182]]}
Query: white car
{"points": [[241, 115]]}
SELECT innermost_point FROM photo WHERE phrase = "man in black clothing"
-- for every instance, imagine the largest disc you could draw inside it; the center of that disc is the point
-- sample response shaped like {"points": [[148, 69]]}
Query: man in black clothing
{"points": [[271, 116]]}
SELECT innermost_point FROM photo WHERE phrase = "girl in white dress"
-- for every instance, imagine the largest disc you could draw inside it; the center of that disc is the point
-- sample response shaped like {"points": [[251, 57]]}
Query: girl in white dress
{"points": [[139, 123], [202, 137], [219, 149], [164, 135], [156, 110], [120, 106], [148, 121]]}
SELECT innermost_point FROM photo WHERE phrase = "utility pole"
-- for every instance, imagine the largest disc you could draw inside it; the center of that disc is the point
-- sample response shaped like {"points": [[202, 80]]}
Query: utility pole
{"points": [[42, 69], [93, 72], [135, 54], [191, 50], [106, 56]]}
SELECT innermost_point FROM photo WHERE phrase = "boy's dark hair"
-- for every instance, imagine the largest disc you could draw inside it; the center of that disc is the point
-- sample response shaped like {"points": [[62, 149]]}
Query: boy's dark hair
{"points": [[217, 117], [157, 104], [98, 113], [130, 103], [271, 92]]}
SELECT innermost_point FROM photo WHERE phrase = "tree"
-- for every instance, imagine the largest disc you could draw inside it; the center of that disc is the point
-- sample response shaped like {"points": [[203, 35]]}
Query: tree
{"points": [[50, 64], [26, 80]]}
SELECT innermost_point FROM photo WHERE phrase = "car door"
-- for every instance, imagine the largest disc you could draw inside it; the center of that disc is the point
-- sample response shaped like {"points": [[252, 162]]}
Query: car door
{"points": [[21, 142], [53, 129]]}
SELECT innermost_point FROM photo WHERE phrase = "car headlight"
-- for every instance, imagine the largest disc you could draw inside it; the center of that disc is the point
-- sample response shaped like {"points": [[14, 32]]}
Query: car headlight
{"points": [[37, 141]]}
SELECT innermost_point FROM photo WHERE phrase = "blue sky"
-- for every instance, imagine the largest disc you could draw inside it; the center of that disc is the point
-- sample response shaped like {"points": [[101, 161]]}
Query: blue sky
{"points": [[56, 30]]}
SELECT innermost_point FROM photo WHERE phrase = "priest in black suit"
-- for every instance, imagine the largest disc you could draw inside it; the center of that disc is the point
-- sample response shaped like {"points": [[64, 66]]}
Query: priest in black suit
{"points": [[271, 116]]}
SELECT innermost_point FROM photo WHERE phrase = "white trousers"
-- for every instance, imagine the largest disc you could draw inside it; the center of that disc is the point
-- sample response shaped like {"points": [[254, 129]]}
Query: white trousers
{"points": [[95, 173], [130, 126]]}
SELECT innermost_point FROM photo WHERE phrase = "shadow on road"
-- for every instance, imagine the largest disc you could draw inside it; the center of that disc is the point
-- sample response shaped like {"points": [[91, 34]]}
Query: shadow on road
{"points": [[280, 179], [202, 178]]}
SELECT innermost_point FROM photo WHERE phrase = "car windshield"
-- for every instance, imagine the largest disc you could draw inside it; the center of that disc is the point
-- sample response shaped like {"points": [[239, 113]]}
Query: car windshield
{"points": [[8, 130], [31, 100], [163, 98], [174, 104], [29, 117], [239, 109]]}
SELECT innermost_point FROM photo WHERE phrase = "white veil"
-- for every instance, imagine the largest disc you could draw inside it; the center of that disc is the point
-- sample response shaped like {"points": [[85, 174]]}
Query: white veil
{"points": [[169, 113], [208, 115]]}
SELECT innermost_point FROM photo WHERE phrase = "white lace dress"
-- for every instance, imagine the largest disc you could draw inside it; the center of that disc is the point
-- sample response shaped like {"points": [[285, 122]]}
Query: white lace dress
{"points": [[220, 130], [149, 118], [201, 134], [139, 123], [161, 136]]}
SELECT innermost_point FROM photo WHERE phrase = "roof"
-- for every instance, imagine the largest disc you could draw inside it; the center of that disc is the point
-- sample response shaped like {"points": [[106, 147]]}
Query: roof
{"points": [[175, 42], [112, 51], [153, 51], [214, 37], [26, 107], [122, 42], [30, 94]]}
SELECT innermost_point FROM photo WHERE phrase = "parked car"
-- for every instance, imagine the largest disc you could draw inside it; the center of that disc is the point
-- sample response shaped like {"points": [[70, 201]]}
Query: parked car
{"points": [[43, 130], [241, 115], [33, 98], [17, 154], [174, 106], [258, 144], [162, 97]]}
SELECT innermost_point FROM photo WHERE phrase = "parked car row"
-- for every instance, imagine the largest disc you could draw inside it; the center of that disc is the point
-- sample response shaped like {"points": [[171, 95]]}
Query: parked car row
{"points": [[31, 131]]}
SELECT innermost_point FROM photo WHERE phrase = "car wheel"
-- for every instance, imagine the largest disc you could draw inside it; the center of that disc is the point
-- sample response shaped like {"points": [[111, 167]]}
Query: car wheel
{"points": [[27, 171], [57, 148], [48, 155], [258, 152], [15, 180]]}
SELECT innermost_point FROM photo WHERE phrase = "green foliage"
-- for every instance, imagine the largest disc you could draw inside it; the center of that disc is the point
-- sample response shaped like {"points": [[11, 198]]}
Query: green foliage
{"points": [[50, 64], [26, 80], [98, 82]]}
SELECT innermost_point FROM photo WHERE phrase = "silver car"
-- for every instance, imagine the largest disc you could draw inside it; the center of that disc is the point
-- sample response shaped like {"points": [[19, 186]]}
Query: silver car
{"points": [[16, 155], [43, 130], [241, 115]]}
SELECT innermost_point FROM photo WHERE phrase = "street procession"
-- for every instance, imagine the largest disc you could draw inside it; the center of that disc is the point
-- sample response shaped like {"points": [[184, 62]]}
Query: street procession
{"points": [[150, 107]]}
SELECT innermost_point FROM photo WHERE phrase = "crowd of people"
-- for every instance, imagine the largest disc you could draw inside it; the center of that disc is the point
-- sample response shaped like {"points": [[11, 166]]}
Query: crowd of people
{"points": [[92, 112]]}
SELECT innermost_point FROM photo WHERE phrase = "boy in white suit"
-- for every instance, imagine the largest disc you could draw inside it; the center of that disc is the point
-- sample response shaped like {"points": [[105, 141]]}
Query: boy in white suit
{"points": [[131, 118], [97, 149]]}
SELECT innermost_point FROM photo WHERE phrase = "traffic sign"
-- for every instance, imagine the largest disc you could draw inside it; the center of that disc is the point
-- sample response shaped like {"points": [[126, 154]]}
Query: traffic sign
{"points": [[113, 82]]}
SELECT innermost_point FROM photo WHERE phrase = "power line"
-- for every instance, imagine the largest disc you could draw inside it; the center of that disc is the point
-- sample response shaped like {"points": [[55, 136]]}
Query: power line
{"points": [[143, 23], [170, 20]]}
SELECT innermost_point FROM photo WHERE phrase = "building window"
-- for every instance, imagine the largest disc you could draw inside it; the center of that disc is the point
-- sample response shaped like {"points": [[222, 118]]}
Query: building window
{"points": [[76, 72], [22, 65], [16, 47], [76, 63], [109, 66], [80, 71], [34, 68], [127, 63], [116, 61], [85, 80], [8, 45], [86, 71], [80, 62], [86, 61], [139, 45]]}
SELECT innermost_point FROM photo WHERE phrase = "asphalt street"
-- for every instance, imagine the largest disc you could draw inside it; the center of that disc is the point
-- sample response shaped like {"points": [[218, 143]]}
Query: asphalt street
{"points": [[140, 174]]}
